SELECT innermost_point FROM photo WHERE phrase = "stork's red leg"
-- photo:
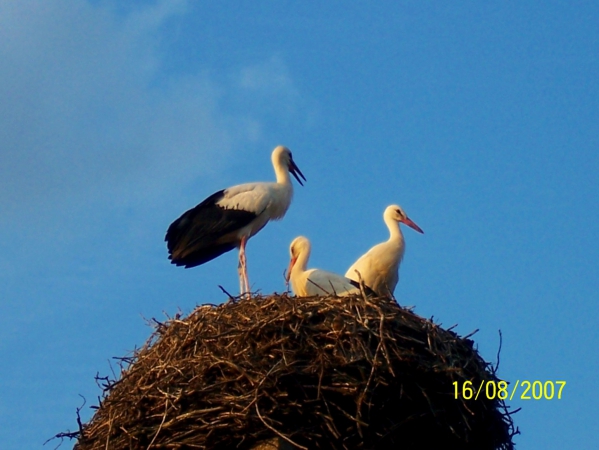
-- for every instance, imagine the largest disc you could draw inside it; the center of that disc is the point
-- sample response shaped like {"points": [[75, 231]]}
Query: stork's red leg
{"points": [[244, 282], [241, 280]]}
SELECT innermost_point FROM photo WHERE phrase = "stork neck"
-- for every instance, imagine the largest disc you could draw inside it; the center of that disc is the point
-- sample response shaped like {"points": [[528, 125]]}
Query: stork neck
{"points": [[302, 261], [282, 174], [395, 233]]}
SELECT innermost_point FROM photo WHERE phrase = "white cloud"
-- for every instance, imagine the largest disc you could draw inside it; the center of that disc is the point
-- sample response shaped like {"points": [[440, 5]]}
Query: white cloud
{"points": [[87, 105], [271, 75], [79, 105], [271, 81]]}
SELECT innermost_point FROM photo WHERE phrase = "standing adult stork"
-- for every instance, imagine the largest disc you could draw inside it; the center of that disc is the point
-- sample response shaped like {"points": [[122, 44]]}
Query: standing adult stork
{"points": [[379, 266], [310, 282], [228, 218]]}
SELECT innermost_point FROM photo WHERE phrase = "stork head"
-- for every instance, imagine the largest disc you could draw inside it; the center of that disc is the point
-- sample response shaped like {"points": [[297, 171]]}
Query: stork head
{"points": [[396, 213], [299, 246], [282, 158]]}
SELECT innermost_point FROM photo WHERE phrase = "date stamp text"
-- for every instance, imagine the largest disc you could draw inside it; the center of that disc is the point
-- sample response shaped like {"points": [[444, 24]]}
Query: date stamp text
{"points": [[529, 390]]}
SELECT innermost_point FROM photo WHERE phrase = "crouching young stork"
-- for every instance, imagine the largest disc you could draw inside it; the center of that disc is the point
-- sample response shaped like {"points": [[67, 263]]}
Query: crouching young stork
{"points": [[379, 266], [309, 282], [228, 218]]}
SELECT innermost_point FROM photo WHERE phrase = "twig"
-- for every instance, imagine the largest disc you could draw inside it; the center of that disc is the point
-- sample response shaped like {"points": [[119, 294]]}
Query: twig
{"points": [[278, 433], [471, 334], [70, 434], [226, 293], [161, 423], [496, 368], [319, 287]]}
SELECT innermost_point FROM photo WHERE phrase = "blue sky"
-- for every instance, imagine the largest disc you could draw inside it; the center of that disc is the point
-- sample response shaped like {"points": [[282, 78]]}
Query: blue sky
{"points": [[481, 120]]}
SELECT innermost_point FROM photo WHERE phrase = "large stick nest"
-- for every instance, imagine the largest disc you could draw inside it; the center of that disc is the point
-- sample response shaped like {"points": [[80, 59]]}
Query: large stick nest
{"points": [[319, 372]]}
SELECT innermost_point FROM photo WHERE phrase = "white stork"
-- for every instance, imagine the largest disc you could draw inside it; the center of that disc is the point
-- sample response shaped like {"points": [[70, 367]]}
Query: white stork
{"points": [[379, 266], [310, 282], [228, 218]]}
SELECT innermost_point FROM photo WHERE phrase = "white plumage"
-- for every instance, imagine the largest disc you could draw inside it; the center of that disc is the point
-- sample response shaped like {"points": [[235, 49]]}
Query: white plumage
{"points": [[311, 282], [379, 266], [228, 218]]}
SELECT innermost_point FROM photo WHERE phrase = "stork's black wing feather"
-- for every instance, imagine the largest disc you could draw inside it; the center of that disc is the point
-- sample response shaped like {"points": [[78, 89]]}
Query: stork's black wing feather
{"points": [[193, 238], [367, 290]]}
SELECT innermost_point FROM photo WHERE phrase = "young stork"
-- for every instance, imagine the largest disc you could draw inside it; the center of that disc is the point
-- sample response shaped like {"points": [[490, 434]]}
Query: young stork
{"points": [[310, 282], [228, 218], [379, 266]]}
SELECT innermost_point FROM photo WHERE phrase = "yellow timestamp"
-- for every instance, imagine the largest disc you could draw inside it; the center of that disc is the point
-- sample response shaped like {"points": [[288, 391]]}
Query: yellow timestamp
{"points": [[490, 389]]}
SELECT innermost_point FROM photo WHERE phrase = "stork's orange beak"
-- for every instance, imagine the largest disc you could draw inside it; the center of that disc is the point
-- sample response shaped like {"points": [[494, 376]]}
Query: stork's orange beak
{"points": [[411, 224], [291, 264]]}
